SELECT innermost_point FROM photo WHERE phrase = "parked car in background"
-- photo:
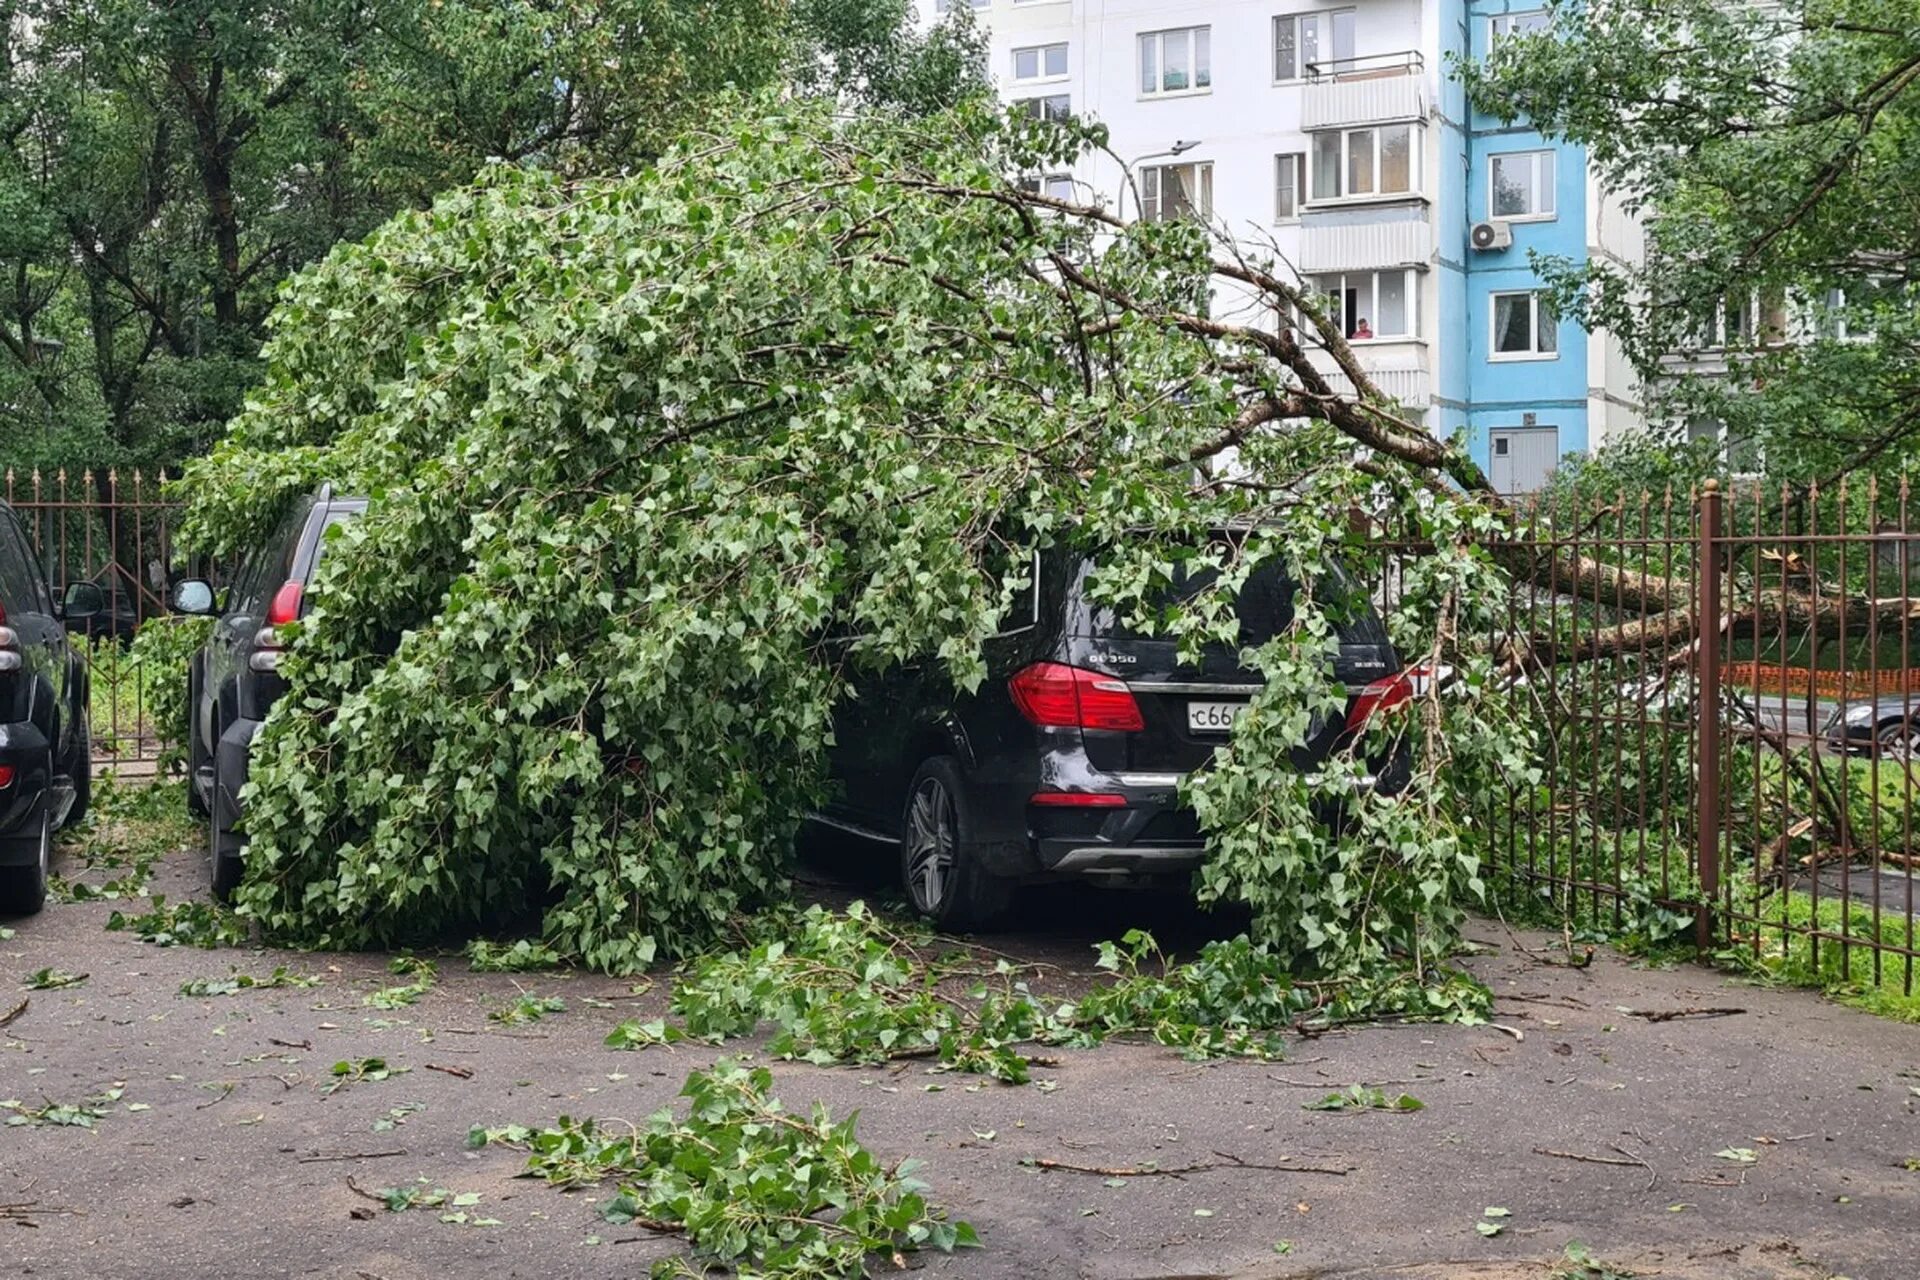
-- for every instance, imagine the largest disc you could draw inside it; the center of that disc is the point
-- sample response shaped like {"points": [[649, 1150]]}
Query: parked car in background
{"points": [[1888, 727], [46, 752], [1066, 763], [233, 681], [120, 615]]}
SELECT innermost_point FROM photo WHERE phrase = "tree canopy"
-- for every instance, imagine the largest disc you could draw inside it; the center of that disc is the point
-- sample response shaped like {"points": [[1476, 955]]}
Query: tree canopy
{"points": [[662, 463], [165, 166], [1771, 150]]}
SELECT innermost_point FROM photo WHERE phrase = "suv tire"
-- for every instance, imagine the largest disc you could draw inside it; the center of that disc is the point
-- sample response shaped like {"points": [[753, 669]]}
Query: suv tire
{"points": [[80, 769], [940, 863], [225, 848], [23, 889]]}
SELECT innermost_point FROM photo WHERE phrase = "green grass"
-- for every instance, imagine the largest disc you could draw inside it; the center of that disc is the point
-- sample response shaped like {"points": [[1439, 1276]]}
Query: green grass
{"points": [[1787, 954]]}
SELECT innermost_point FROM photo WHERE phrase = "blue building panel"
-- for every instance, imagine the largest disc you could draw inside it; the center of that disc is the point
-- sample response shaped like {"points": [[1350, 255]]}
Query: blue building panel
{"points": [[1502, 390]]}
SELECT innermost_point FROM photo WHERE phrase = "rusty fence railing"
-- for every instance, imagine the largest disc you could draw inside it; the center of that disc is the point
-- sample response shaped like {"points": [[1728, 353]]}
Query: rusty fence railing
{"points": [[114, 529], [1722, 691]]}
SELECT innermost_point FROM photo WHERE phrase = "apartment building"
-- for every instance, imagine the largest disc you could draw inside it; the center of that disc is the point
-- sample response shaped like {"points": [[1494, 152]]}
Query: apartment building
{"points": [[1332, 134]]}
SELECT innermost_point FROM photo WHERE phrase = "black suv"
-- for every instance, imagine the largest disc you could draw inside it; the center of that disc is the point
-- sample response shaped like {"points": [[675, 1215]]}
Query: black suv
{"points": [[1066, 762], [235, 678], [46, 753]]}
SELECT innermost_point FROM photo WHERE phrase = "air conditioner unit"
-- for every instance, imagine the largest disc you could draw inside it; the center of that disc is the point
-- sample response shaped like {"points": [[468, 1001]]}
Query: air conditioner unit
{"points": [[1488, 236]]}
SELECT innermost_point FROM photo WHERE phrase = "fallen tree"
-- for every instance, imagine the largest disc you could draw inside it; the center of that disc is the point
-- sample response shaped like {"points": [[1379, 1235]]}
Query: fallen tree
{"points": [[662, 464]]}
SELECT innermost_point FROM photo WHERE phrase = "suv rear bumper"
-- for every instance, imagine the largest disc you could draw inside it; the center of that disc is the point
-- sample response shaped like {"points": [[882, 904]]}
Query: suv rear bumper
{"points": [[25, 748]]}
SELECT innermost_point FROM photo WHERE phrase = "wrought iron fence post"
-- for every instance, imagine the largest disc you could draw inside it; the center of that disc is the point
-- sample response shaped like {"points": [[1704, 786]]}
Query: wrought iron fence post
{"points": [[1707, 665]]}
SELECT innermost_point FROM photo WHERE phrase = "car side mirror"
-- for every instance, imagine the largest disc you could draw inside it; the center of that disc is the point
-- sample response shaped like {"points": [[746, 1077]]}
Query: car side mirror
{"points": [[191, 596], [84, 600]]}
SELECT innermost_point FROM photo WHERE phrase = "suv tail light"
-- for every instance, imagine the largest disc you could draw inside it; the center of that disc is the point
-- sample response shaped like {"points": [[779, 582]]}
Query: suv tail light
{"points": [[267, 645], [1056, 696], [1384, 695], [6, 776]]}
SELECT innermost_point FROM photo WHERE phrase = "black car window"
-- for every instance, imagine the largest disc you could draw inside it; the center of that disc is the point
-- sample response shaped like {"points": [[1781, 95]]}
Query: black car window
{"points": [[1264, 606], [19, 589], [271, 565]]}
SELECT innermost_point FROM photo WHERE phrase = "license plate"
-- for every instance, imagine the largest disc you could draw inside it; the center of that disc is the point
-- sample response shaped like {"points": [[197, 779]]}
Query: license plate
{"points": [[1213, 717]]}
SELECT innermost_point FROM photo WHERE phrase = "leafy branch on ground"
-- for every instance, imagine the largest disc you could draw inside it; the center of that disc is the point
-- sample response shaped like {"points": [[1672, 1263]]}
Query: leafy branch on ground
{"points": [[351, 1071], [1360, 1097], [236, 982], [191, 923], [423, 973], [752, 1186], [527, 1009], [51, 979], [80, 1115], [129, 828], [853, 987]]}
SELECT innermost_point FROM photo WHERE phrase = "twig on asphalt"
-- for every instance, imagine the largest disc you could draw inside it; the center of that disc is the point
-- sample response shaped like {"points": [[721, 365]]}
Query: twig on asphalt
{"points": [[363, 1193], [291, 1044], [330, 1157], [1225, 1161], [1335, 1084], [226, 1091], [23, 1212], [459, 1073], [1668, 1015], [6, 1019], [1631, 1161]]}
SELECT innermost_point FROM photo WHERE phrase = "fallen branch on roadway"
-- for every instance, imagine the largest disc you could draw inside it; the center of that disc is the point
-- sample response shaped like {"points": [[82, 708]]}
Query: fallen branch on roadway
{"points": [[1668, 1015], [1153, 1171]]}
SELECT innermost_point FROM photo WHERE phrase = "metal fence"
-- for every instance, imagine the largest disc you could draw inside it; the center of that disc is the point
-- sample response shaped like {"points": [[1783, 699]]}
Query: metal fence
{"points": [[1722, 685], [113, 529]]}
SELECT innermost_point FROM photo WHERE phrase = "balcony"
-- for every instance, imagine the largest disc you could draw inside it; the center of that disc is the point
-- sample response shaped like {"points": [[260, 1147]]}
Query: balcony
{"points": [[1411, 386], [1328, 245], [1371, 90]]}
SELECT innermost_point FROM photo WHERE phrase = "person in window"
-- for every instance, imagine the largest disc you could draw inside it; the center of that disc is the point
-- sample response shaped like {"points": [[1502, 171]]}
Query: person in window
{"points": [[1360, 328]]}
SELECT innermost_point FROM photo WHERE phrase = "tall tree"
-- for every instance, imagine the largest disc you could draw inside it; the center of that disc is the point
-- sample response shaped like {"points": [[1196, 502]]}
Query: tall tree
{"points": [[165, 164], [1772, 150]]}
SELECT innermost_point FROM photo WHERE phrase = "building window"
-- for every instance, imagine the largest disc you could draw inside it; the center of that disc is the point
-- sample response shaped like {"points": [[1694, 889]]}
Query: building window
{"points": [[1521, 185], [1179, 61], [1289, 185], [1055, 186], [1176, 191], [1368, 305], [1055, 106], [1304, 42], [1524, 328], [1502, 25], [1351, 163], [942, 6], [1040, 62]]}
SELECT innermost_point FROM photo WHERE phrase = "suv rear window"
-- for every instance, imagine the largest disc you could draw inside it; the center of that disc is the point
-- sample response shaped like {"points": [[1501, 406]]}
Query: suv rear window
{"points": [[1264, 606]]}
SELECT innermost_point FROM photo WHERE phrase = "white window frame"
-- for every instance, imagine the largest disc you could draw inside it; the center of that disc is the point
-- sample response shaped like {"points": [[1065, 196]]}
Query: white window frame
{"points": [[1040, 51], [1535, 307], [1297, 162], [1196, 37], [1300, 61], [1036, 105], [1410, 282], [1151, 180], [1054, 186], [1416, 148], [1502, 25], [1533, 156]]}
